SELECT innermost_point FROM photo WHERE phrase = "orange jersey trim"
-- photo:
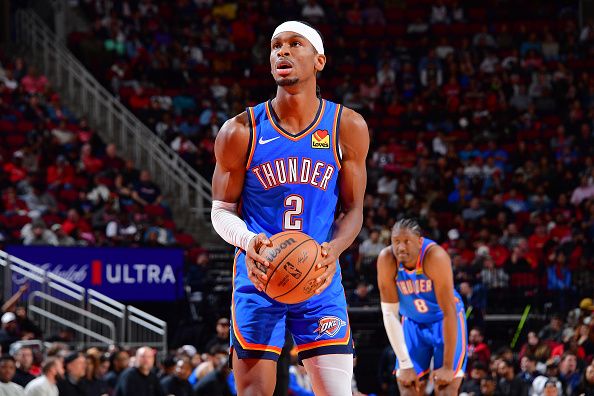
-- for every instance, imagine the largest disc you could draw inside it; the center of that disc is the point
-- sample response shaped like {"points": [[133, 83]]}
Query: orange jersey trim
{"points": [[335, 134], [464, 346], [244, 344], [301, 134], [253, 137], [343, 341]]}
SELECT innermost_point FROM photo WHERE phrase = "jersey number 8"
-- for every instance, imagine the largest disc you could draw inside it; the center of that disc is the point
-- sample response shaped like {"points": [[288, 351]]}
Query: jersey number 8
{"points": [[421, 305], [294, 205]]}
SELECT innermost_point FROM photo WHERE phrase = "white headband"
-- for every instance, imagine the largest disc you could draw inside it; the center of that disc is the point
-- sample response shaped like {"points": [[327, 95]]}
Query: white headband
{"points": [[306, 31]]}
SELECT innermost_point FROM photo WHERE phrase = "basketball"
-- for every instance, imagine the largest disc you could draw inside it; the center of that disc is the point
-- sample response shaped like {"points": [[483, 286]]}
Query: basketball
{"points": [[291, 275]]}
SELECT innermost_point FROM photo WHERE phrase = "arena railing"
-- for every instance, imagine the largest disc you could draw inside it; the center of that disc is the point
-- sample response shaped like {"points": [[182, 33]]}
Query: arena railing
{"points": [[55, 303], [113, 121]]}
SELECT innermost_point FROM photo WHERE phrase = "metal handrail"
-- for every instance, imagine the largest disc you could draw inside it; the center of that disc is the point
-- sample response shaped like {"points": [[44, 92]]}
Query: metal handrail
{"points": [[190, 189], [119, 325], [75, 309]]}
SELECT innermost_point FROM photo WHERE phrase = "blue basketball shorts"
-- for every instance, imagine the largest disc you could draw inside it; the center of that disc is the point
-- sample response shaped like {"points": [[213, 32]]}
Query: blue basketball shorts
{"points": [[425, 341], [319, 326]]}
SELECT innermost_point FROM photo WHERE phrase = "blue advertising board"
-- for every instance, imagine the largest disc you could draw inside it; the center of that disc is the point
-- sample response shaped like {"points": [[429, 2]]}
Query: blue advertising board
{"points": [[124, 274]]}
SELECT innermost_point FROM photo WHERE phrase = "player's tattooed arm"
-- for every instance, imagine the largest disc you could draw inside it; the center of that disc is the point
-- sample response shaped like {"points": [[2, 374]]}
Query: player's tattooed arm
{"points": [[438, 268], [231, 147], [354, 144]]}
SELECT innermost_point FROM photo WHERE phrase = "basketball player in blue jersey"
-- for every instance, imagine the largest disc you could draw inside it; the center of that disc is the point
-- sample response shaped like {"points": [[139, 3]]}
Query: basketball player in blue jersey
{"points": [[288, 164], [415, 280]]}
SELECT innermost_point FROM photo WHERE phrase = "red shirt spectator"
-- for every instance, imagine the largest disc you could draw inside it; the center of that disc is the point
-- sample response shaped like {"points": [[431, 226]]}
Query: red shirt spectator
{"points": [[74, 223], [15, 170], [477, 349], [91, 164], [33, 82], [60, 173]]}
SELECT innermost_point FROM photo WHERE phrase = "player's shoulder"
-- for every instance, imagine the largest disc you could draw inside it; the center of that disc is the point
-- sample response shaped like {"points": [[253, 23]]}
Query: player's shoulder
{"points": [[386, 257], [436, 252], [233, 139], [354, 134], [235, 127]]}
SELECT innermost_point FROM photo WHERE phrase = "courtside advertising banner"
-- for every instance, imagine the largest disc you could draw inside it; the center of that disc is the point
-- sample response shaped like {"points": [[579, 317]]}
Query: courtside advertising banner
{"points": [[124, 274]]}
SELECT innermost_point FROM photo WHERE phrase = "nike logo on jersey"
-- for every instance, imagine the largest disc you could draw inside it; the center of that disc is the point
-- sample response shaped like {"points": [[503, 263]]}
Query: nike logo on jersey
{"points": [[262, 141]]}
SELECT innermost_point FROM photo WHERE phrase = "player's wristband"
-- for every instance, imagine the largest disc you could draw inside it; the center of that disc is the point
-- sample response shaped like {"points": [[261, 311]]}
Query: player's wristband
{"points": [[396, 334], [229, 225]]}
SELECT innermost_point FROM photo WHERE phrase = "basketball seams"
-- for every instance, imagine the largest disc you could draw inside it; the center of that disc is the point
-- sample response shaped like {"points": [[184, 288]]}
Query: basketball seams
{"points": [[284, 257], [304, 277]]}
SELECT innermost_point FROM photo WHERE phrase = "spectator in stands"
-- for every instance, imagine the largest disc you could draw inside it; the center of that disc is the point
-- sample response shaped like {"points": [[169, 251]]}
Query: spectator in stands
{"points": [[568, 373], [177, 384], [121, 231], [535, 347], [221, 339], [9, 332], [477, 349], [145, 191], [23, 357], [45, 385], [38, 235], [527, 373], [62, 239], [472, 385], [507, 383], [586, 385], [368, 252], [360, 296], [119, 362], [40, 201], [93, 383], [75, 366], [140, 380], [75, 224], [33, 82], [313, 11], [7, 371], [216, 381], [552, 331]]}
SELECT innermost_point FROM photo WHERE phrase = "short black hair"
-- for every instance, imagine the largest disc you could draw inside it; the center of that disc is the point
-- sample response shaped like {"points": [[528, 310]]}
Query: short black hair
{"points": [[407, 223], [5, 358]]}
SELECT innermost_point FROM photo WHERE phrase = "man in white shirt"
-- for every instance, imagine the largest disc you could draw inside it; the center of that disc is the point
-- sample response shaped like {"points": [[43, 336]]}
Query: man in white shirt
{"points": [[45, 385], [7, 370]]}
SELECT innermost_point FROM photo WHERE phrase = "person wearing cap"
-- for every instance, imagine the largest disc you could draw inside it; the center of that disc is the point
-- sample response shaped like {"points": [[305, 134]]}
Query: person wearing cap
{"points": [[9, 332], [259, 154], [75, 366]]}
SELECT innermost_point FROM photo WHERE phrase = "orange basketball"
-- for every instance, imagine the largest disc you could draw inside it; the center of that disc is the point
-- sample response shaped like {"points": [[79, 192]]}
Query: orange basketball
{"points": [[291, 275]]}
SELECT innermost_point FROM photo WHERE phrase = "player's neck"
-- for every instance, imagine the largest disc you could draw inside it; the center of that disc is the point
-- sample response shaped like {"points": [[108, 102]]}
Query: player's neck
{"points": [[295, 110]]}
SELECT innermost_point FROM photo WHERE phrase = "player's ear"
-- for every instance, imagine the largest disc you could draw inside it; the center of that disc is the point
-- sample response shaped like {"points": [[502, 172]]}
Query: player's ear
{"points": [[319, 62]]}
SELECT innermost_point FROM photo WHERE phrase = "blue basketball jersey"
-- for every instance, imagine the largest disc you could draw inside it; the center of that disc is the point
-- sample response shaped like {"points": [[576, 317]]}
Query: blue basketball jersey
{"points": [[291, 180], [415, 291]]}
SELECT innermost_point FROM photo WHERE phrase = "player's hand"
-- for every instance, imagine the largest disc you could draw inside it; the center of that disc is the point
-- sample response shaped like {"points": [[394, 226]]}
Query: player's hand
{"points": [[256, 265], [442, 377], [408, 378], [329, 264]]}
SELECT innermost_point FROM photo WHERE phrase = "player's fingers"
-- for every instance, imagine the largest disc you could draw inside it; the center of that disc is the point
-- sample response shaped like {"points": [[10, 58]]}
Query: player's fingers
{"points": [[325, 249], [324, 284], [416, 384], [256, 270], [258, 258], [262, 240]]}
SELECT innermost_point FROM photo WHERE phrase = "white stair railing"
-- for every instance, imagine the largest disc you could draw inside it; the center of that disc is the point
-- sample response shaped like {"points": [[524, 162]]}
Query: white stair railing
{"points": [[56, 303], [112, 119]]}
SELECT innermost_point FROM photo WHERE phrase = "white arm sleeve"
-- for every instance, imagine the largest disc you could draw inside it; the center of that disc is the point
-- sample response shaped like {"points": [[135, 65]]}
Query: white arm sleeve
{"points": [[396, 334], [229, 225]]}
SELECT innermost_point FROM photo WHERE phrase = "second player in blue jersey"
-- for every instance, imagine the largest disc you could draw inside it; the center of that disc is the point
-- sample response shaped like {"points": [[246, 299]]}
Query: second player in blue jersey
{"points": [[416, 283]]}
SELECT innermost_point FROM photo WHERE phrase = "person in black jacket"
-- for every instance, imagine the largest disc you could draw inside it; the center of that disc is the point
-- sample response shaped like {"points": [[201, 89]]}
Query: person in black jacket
{"points": [[119, 362], [24, 360], [140, 380], [215, 383], [177, 383], [586, 385], [75, 366]]}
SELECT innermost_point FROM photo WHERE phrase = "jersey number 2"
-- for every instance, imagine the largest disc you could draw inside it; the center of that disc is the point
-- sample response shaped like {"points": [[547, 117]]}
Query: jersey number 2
{"points": [[294, 205]]}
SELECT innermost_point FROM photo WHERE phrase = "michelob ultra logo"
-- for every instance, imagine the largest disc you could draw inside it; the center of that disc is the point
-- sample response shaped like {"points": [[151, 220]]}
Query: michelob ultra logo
{"points": [[320, 139]]}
